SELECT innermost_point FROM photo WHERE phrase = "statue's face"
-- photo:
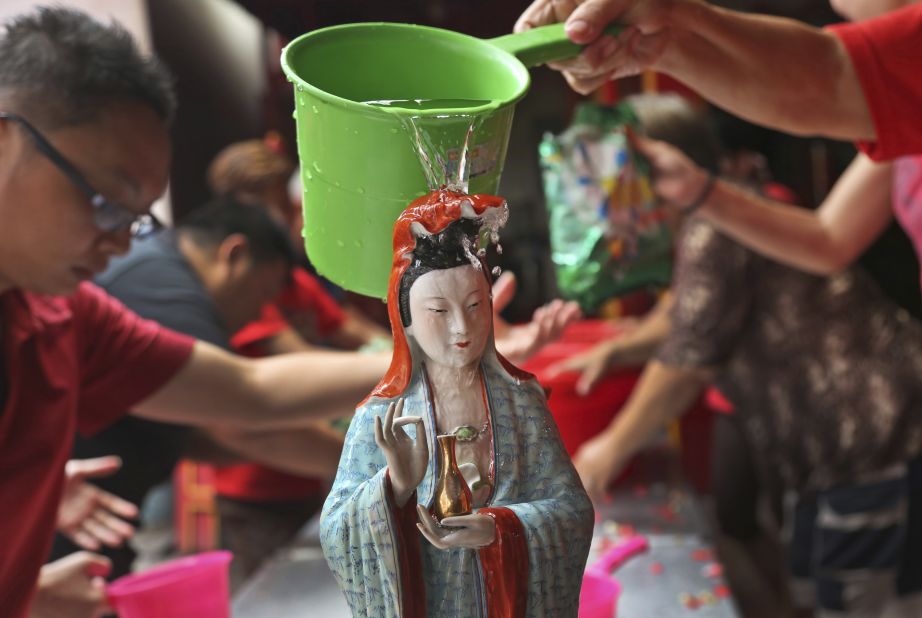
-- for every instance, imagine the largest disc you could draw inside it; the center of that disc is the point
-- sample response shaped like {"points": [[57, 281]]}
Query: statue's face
{"points": [[450, 315]]}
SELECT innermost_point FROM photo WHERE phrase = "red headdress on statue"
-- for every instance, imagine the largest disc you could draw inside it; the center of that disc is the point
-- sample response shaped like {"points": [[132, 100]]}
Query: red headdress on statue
{"points": [[430, 214]]}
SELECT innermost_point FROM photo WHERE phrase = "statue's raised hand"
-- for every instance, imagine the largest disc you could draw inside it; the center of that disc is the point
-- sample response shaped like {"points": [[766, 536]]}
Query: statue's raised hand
{"points": [[406, 459]]}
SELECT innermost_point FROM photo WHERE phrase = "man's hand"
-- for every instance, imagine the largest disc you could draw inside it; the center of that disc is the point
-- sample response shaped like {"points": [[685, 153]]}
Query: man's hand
{"points": [[605, 57], [406, 460], [598, 463], [72, 587], [519, 342], [89, 516], [467, 531]]}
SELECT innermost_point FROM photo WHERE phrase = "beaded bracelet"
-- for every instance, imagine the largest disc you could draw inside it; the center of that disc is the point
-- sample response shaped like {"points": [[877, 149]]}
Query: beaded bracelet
{"points": [[702, 195]]}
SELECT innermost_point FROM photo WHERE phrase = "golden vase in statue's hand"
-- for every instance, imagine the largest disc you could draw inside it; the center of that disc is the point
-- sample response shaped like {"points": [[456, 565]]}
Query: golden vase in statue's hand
{"points": [[452, 495]]}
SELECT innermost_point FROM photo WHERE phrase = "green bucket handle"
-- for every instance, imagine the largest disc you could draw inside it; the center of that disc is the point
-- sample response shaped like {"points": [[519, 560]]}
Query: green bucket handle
{"points": [[544, 44]]}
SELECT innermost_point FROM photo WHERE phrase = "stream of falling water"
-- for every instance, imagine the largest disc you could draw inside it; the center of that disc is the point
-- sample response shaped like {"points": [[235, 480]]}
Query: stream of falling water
{"points": [[435, 158], [438, 168]]}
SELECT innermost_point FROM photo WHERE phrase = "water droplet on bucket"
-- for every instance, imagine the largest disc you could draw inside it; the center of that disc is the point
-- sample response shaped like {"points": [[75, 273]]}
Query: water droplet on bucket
{"points": [[357, 243], [393, 130], [316, 167], [360, 190], [308, 175], [355, 131], [316, 111], [340, 243]]}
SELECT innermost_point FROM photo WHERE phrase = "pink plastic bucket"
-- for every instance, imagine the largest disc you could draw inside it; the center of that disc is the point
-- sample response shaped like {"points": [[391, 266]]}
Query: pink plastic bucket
{"points": [[598, 597], [191, 587]]}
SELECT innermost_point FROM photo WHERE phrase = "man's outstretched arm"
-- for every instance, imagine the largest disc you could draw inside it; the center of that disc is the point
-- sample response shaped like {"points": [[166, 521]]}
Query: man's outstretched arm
{"points": [[216, 388], [774, 71]]}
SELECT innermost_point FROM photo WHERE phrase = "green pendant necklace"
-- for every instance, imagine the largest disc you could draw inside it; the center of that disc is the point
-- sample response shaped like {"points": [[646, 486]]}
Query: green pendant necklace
{"points": [[469, 433]]}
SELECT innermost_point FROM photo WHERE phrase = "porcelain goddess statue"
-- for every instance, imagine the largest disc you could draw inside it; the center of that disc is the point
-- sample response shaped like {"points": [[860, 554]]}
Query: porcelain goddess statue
{"points": [[454, 495]]}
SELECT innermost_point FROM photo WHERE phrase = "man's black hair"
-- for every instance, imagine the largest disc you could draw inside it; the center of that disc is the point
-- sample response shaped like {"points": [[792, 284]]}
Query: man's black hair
{"points": [[59, 67], [210, 224], [450, 248]]}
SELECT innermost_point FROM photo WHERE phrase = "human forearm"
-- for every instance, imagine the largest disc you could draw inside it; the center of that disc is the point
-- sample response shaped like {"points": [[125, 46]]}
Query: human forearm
{"points": [[662, 394], [637, 346], [823, 241], [313, 451], [286, 342], [773, 71], [293, 390]]}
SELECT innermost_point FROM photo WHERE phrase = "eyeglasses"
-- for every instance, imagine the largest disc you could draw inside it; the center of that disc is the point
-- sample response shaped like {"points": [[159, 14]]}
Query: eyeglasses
{"points": [[108, 216]]}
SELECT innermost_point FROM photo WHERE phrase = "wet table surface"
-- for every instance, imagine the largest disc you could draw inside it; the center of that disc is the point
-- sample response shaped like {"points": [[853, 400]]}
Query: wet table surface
{"points": [[677, 576]]}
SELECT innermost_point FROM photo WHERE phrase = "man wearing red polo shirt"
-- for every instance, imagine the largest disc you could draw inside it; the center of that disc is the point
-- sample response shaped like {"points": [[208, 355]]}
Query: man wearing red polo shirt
{"points": [[84, 152]]}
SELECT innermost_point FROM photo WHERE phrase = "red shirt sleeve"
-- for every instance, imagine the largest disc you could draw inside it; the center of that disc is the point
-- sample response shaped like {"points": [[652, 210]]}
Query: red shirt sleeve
{"points": [[124, 358], [887, 55]]}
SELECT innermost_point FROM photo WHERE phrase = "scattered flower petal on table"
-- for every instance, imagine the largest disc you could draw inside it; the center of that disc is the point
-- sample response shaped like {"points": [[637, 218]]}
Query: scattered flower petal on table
{"points": [[713, 570], [703, 554]]}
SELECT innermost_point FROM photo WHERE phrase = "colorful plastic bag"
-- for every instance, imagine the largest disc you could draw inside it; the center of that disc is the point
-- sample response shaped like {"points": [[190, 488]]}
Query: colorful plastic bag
{"points": [[609, 237]]}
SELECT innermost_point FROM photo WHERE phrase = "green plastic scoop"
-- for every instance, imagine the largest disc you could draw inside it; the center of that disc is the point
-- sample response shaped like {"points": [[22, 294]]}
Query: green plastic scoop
{"points": [[356, 86]]}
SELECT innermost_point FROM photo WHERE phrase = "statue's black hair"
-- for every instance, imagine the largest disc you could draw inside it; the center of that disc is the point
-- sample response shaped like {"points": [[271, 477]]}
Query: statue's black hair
{"points": [[449, 248]]}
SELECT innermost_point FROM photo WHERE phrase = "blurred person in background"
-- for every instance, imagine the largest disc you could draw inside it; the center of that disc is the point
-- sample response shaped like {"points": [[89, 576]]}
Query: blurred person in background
{"points": [[206, 279], [748, 546], [257, 172], [822, 373]]}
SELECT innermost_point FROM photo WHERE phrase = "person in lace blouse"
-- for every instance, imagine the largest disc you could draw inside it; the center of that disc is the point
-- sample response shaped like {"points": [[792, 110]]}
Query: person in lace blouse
{"points": [[824, 373]]}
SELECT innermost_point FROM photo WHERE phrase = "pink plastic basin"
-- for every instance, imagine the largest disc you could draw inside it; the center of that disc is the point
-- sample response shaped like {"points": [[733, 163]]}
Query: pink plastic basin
{"points": [[191, 587], [598, 597]]}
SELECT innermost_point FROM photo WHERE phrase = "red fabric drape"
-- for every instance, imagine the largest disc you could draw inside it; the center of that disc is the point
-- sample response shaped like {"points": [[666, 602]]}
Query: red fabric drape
{"points": [[505, 566]]}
